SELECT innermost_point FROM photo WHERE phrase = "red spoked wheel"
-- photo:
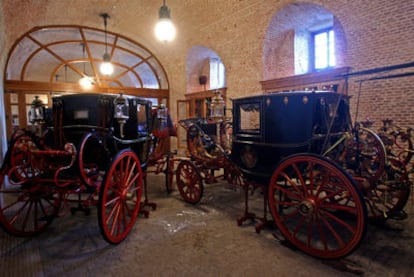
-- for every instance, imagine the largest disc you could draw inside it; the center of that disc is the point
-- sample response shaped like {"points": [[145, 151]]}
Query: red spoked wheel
{"points": [[372, 155], [93, 159], [363, 155], [398, 141], [403, 146], [189, 182], [21, 164], [120, 197], [317, 206], [234, 175], [388, 197], [27, 209]]}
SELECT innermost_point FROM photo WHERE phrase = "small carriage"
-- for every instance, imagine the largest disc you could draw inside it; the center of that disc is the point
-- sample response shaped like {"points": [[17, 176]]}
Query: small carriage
{"points": [[92, 150], [322, 178]]}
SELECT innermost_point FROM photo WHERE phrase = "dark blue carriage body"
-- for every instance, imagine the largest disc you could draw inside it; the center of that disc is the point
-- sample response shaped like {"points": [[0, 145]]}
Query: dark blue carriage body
{"points": [[267, 128], [78, 114]]}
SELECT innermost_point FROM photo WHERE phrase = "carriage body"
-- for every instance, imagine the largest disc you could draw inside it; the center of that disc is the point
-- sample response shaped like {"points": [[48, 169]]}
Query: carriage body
{"points": [[267, 128], [76, 115], [85, 154]]}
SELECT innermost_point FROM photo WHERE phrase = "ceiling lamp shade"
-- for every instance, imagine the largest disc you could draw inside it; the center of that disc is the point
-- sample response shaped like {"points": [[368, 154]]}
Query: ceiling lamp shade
{"points": [[165, 29], [106, 67]]}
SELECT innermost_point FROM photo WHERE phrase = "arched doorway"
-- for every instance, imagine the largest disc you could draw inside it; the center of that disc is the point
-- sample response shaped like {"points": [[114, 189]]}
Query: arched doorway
{"points": [[50, 60], [205, 74]]}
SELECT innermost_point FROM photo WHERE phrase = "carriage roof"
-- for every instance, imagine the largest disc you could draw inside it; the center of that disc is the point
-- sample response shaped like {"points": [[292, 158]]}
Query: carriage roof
{"points": [[289, 118], [94, 109]]}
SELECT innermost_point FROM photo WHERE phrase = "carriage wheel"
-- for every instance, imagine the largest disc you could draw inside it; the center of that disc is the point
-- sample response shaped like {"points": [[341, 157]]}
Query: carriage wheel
{"points": [[398, 144], [368, 157], [226, 133], [390, 195], [372, 154], [120, 197], [20, 158], [27, 209], [233, 175], [169, 173], [93, 159], [404, 148], [189, 182], [317, 207], [363, 157]]}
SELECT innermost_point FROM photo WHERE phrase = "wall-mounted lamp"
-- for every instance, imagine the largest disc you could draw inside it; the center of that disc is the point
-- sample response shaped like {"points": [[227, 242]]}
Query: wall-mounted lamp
{"points": [[106, 67], [218, 107], [165, 30], [85, 81]]}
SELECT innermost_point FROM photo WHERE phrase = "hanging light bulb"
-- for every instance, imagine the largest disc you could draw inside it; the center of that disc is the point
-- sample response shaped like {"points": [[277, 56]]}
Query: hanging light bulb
{"points": [[85, 82], [165, 30], [106, 67]]}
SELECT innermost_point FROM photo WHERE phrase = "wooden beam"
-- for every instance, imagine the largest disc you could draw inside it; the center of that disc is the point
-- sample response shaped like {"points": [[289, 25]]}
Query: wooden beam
{"points": [[304, 79], [15, 85]]}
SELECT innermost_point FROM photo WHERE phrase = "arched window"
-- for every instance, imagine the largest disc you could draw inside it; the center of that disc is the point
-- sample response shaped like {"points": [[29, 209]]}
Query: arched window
{"points": [[217, 74], [323, 46]]}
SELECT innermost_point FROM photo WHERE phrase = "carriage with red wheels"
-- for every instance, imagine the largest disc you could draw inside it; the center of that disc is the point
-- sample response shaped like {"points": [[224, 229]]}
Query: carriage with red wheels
{"points": [[92, 150], [322, 177]]}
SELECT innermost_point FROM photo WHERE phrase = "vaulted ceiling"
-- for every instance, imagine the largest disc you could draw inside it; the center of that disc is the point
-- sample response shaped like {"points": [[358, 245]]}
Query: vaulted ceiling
{"points": [[65, 53]]}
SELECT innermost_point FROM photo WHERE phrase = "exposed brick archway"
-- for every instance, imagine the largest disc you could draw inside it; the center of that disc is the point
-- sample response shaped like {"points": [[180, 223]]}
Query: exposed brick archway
{"points": [[283, 51]]}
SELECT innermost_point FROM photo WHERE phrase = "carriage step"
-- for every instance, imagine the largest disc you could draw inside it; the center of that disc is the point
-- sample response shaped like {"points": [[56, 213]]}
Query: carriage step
{"points": [[397, 215], [85, 210]]}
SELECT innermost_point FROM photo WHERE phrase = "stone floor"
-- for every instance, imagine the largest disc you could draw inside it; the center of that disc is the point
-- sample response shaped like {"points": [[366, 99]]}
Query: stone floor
{"points": [[179, 239]]}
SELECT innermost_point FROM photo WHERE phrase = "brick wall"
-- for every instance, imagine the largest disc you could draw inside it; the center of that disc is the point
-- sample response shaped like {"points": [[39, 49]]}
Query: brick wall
{"points": [[377, 33], [369, 34]]}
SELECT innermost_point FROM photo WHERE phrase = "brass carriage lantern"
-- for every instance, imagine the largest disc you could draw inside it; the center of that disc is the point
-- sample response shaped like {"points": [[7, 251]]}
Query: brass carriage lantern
{"points": [[162, 114], [37, 113], [217, 112], [121, 112]]}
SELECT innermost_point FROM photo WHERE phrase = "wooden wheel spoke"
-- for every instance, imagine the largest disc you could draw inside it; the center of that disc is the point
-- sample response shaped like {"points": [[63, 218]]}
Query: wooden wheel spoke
{"points": [[334, 232], [337, 220], [292, 182], [289, 193]]}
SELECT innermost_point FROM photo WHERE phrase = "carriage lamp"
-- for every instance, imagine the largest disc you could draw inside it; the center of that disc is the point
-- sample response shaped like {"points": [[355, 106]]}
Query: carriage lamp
{"points": [[218, 106], [121, 112], [217, 112], [37, 111], [162, 114]]}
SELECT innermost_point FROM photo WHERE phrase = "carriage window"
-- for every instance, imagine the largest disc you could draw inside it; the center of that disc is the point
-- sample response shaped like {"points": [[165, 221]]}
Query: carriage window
{"points": [[81, 114], [250, 117], [142, 119]]}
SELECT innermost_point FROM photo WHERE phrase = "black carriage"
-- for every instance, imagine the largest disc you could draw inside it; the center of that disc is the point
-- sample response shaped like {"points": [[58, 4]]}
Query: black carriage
{"points": [[92, 151], [322, 177]]}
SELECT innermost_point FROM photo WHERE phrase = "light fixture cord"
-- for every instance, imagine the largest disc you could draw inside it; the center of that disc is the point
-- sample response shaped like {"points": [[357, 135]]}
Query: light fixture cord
{"points": [[83, 55], [105, 17], [106, 42]]}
